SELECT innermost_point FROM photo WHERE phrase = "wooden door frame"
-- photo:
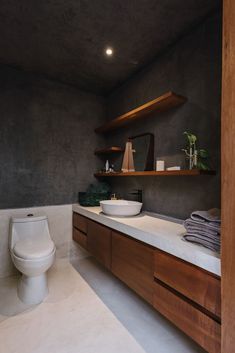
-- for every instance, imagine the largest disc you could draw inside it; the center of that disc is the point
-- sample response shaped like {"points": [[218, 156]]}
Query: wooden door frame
{"points": [[228, 178]]}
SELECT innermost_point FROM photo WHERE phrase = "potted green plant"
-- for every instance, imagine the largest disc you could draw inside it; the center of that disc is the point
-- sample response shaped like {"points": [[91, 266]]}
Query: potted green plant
{"points": [[198, 158]]}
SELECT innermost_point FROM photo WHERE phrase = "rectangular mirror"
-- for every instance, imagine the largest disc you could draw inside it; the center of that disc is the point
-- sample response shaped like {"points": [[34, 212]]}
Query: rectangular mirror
{"points": [[143, 151]]}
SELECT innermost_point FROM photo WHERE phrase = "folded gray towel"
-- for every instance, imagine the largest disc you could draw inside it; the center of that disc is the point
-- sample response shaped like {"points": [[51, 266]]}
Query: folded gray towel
{"points": [[210, 227], [208, 244], [212, 215], [204, 228], [205, 235]]}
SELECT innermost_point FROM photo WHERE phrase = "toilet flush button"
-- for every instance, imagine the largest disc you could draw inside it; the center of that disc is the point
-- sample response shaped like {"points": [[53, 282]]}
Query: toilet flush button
{"points": [[30, 215]]}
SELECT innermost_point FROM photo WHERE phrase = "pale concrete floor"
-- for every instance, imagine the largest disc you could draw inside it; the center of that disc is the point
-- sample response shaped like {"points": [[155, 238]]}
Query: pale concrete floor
{"points": [[87, 310], [72, 319], [153, 332]]}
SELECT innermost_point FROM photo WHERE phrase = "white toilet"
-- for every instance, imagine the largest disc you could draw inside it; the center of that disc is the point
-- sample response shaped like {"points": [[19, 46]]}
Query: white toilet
{"points": [[33, 253]]}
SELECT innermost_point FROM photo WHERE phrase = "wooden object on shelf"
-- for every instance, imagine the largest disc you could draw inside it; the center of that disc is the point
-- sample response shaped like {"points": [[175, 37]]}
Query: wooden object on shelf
{"points": [[132, 262], [109, 150], [200, 327], [182, 172], [196, 284], [128, 160], [166, 101]]}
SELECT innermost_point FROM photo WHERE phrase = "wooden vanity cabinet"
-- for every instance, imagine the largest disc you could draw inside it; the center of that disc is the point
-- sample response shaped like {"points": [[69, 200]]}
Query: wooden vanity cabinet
{"points": [[80, 238], [133, 262], [80, 229], [185, 294], [196, 284], [99, 242], [190, 298], [192, 321], [80, 222]]}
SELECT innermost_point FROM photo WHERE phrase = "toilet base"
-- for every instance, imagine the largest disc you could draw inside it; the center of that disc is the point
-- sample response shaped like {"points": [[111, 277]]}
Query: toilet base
{"points": [[32, 290]]}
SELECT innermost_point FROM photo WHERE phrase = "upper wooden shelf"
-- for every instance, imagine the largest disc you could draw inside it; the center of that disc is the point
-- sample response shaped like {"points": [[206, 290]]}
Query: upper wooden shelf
{"points": [[166, 101], [109, 150], [182, 172]]}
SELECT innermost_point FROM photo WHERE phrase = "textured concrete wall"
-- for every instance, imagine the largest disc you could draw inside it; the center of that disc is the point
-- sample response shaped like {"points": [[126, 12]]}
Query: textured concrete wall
{"points": [[47, 140], [192, 68]]}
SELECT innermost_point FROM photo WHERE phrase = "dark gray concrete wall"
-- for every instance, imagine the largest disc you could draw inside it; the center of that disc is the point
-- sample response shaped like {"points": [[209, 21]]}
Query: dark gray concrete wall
{"points": [[47, 140], [192, 67]]}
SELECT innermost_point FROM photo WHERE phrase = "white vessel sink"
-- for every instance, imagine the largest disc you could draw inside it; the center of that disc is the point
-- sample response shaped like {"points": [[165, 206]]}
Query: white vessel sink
{"points": [[121, 208]]}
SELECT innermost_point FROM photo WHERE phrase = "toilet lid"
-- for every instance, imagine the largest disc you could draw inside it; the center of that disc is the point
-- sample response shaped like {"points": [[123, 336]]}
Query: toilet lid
{"points": [[33, 249]]}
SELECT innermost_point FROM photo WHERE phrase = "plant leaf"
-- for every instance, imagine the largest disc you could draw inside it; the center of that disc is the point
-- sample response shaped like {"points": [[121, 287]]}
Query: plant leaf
{"points": [[203, 153], [202, 166], [193, 138]]}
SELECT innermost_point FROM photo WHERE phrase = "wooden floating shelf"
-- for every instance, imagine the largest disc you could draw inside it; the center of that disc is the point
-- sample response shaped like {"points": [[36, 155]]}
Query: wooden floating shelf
{"points": [[183, 172], [109, 150], [163, 103]]}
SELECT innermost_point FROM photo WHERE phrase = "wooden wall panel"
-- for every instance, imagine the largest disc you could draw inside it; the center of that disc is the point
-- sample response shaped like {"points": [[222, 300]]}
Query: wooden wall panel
{"points": [[228, 178]]}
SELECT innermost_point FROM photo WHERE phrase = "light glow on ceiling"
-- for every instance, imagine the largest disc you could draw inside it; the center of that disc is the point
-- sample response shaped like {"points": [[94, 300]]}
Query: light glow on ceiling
{"points": [[109, 51]]}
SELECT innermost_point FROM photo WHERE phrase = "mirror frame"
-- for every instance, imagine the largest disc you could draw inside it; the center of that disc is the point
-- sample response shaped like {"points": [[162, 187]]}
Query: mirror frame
{"points": [[149, 163]]}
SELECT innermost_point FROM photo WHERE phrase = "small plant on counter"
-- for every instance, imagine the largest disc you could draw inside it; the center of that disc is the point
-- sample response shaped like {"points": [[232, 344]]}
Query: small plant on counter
{"points": [[94, 194], [198, 158]]}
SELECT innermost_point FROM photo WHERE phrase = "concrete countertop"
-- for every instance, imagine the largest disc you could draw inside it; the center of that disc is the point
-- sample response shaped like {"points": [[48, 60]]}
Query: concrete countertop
{"points": [[162, 232]]}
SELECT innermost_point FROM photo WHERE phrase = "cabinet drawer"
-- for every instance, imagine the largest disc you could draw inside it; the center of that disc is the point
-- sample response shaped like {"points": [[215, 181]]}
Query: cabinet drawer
{"points": [[132, 262], [99, 243], [200, 327], [189, 280], [80, 238], [80, 222]]}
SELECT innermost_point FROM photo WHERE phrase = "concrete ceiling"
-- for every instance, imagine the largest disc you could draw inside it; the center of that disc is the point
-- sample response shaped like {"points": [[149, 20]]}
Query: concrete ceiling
{"points": [[65, 39]]}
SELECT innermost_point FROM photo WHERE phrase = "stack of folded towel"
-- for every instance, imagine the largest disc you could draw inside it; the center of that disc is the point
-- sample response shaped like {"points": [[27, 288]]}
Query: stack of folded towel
{"points": [[203, 227]]}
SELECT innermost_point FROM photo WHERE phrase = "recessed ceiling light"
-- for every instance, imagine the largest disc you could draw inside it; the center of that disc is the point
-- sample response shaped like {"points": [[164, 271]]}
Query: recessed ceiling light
{"points": [[109, 51]]}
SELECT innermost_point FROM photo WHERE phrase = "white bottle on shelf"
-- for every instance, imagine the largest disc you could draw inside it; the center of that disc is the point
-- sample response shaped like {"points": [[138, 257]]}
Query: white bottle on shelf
{"points": [[107, 166]]}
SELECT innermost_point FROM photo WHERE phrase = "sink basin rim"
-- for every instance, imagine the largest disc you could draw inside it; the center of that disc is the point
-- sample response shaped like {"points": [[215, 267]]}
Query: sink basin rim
{"points": [[120, 202], [121, 208]]}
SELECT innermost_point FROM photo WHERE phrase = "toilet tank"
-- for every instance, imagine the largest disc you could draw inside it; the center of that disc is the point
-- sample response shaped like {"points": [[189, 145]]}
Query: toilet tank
{"points": [[28, 227]]}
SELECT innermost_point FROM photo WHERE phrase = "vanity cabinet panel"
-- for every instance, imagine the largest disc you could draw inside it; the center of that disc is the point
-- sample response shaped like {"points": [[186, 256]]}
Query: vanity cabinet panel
{"points": [[200, 327], [80, 237], [132, 262], [80, 222], [99, 242], [185, 294], [194, 283]]}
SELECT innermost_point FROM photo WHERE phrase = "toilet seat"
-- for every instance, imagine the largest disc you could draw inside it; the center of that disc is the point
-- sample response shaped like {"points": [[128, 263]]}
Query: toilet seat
{"points": [[29, 250]]}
